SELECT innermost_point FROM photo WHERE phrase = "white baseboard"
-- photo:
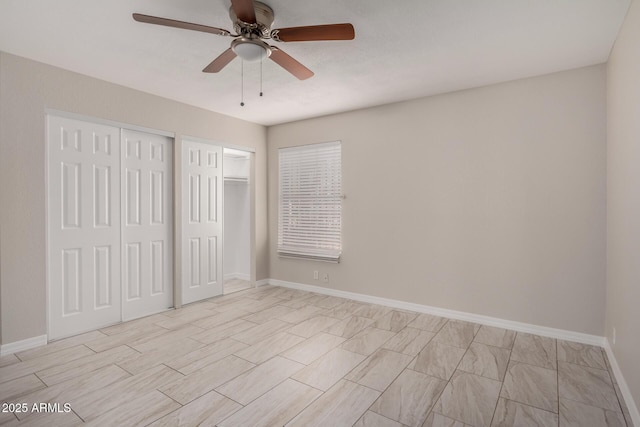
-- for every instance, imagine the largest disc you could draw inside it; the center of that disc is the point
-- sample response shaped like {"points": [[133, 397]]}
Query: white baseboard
{"points": [[624, 388], [452, 314], [16, 346], [240, 276], [262, 282]]}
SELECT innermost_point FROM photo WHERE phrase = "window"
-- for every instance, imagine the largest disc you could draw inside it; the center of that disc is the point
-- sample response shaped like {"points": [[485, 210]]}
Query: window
{"points": [[310, 203]]}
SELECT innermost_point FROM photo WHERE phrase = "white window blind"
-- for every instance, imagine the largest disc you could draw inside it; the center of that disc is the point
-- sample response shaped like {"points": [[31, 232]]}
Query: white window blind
{"points": [[310, 204]]}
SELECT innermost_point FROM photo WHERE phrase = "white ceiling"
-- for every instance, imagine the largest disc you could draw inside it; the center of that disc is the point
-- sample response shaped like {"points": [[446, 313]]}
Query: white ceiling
{"points": [[402, 50]]}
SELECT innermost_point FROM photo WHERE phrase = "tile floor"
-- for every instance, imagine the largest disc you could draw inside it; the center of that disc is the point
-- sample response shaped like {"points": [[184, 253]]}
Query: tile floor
{"points": [[274, 356]]}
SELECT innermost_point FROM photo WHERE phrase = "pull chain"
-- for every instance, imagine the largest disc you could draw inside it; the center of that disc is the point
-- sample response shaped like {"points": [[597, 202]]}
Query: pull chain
{"points": [[261, 59], [242, 83]]}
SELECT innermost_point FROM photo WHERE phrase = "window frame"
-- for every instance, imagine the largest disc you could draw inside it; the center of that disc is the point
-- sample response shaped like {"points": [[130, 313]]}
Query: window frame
{"points": [[314, 200]]}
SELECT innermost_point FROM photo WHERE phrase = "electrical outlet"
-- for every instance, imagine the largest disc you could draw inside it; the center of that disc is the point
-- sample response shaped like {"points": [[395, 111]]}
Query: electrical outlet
{"points": [[315, 275], [325, 278], [614, 336]]}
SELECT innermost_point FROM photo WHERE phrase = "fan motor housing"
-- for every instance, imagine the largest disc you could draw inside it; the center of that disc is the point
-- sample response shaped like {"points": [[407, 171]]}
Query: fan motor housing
{"points": [[264, 20]]}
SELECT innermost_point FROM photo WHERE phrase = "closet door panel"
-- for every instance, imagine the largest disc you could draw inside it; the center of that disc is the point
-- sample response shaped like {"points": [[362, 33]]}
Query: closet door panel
{"points": [[201, 225], [83, 226], [147, 219]]}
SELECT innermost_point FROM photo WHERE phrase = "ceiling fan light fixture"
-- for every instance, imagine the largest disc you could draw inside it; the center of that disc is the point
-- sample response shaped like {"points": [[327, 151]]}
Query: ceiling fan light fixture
{"points": [[252, 21], [250, 49]]}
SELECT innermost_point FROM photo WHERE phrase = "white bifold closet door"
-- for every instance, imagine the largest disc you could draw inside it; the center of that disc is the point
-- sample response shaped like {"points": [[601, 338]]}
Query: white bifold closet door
{"points": [[201, 221], [110, 247], [84, 226], [147, 232]]}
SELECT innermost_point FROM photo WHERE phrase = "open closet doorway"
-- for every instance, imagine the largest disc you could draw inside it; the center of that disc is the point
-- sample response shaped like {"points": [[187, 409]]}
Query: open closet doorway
{"points": [[237, 220]]}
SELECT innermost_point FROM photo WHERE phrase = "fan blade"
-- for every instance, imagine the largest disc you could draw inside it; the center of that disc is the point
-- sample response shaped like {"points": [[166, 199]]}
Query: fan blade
{"points": [[244, 10], [179, 24], [290, 64], [220, 62], [314, 33]]}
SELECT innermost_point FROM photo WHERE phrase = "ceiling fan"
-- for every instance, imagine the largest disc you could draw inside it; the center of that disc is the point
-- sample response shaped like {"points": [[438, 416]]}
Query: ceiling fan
{"points": [[252, 22]]}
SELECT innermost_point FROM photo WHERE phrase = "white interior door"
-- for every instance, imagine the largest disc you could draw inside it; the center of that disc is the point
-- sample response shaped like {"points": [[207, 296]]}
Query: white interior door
{"points": [[147, 224], [84, 226], [201, 221]]}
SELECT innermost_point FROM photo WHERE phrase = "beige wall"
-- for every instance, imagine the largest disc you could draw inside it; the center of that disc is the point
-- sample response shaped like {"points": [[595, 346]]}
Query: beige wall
{"points": [[623, 199], [26, 89], [488, 201]]}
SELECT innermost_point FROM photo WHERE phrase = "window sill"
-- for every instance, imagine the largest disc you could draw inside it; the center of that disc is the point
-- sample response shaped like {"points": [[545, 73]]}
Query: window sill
{"points": [[309, 257]]}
